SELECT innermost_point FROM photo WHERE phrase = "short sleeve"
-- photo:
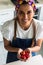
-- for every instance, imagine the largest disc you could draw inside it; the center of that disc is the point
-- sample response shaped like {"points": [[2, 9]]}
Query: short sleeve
{"points": [[7, 30], [39, 31]]}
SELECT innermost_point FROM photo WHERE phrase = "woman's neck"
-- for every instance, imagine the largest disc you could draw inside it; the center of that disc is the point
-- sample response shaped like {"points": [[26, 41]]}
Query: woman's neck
{"points": [[25, 27]]}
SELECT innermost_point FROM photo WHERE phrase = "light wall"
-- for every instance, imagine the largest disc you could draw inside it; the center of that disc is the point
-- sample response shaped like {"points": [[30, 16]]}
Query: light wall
{"points": [[40, 1], [5, 1]]}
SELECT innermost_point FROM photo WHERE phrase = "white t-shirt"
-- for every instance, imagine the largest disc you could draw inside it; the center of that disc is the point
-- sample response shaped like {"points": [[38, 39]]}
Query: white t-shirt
{"points": [[8, 30]]}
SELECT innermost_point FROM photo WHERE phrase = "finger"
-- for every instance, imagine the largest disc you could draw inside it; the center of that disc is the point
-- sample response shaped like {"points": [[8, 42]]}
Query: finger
{"points": [[23, 60], [18, 56]]}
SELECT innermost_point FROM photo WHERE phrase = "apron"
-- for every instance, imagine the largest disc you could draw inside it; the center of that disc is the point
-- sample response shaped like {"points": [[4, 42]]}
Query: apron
{"points": [[19, 43]]}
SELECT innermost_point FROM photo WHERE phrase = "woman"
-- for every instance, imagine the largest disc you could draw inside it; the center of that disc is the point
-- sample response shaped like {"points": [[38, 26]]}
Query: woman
{"points": [[24, 33]]}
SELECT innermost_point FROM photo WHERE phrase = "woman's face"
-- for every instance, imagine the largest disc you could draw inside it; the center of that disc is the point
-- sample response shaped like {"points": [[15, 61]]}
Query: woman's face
{"points": [[25, 14]]}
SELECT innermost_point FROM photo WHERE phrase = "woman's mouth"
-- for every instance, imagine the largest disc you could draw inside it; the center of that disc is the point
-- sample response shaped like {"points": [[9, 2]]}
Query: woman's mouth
{"points": [[25, 20]]}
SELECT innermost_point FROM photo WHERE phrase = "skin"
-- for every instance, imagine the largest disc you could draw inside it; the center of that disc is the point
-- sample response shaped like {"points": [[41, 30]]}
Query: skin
{"points": [[25, 15]]}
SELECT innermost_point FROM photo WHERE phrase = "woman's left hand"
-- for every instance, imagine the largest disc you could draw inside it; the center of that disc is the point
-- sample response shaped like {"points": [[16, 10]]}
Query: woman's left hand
{"points": [[29, 55]]}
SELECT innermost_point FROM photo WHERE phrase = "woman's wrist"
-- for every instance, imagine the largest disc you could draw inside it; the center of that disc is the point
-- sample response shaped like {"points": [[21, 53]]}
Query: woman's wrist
{"points": [[29, 49], [17, 49]]}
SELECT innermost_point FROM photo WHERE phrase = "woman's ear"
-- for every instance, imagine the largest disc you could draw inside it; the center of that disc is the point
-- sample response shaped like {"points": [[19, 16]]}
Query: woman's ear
{"points": [[33, 13], [17, 12]]}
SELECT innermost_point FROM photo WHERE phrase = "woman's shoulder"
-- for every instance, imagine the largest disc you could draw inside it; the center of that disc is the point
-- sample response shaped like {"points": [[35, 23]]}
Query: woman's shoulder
{"points": [[38, 22], [39, 25], [8, 24], [39, 29], [7, 29]]}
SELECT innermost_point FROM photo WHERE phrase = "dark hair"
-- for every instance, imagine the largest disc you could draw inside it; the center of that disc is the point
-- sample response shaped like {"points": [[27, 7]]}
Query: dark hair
{"points": [[24, 2], [15, 2]]}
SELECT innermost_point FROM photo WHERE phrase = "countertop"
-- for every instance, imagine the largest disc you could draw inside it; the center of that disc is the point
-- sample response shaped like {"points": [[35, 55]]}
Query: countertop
{"points": [[36, 60]]}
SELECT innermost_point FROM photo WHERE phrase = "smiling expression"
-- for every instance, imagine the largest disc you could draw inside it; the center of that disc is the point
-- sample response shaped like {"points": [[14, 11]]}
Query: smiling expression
{"points": [[25, 15]]}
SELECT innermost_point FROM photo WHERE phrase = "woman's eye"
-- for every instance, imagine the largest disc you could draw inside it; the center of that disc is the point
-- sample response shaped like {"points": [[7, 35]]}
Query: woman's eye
{"points": [[21, 13], [28, 12]]}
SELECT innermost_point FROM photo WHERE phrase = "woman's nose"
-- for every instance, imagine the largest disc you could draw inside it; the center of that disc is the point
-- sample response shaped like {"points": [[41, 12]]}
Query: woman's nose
{"points": [[25, 16]]}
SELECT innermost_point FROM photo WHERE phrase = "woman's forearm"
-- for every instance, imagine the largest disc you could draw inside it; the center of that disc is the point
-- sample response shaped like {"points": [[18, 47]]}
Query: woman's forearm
{"points": [[37, 47], [34, 49], [8, 47], [11, 49]]}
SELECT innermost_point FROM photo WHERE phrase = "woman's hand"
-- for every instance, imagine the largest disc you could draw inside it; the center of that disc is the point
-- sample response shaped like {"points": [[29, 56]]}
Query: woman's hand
{"points": [[29, 55], [18, 54], [24, 55]]}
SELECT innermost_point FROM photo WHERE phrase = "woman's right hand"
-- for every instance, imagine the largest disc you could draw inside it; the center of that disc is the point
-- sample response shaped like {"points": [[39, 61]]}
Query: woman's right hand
{"points": [[18, 54]]}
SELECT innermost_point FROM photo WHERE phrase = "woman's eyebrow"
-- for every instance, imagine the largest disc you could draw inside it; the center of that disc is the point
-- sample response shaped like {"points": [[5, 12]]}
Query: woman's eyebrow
{"points": [[24, 12], [21, 11], [29, 11]]}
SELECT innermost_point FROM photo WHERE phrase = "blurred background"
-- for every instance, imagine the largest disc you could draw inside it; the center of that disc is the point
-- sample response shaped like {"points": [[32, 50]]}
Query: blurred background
{"points": [[7, 12]]}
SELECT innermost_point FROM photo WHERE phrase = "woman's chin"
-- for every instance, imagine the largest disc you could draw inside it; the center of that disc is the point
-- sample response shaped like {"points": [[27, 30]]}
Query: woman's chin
{"points": [[24, 22]]}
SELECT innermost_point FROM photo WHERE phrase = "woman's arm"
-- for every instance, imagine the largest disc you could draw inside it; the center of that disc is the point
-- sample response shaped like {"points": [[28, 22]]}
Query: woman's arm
{"points": [[8, 46], [37, 47]]}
